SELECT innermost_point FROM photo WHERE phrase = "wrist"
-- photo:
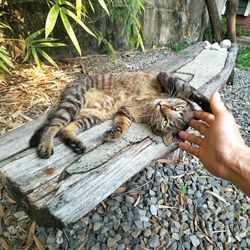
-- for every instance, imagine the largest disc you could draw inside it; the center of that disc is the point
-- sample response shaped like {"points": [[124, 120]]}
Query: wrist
{"points": [[239, 168]]}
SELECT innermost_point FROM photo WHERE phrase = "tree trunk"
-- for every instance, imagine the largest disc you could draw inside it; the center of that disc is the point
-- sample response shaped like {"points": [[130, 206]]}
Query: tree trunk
{"points": [[231, 10], [214, 20]]}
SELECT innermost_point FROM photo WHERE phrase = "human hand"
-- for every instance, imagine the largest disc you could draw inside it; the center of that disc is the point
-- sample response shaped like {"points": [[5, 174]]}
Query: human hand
{"points": [[221, 142]]}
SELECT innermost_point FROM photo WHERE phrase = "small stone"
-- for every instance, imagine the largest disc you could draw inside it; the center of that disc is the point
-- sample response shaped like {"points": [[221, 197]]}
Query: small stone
{"points": [[96, 218], [226, 44], [175, 236], [121, 247], [104, 230], [151, 192], [59, 237], [144, 218], [195, 241], [12, 230], [135, 233], [130, 199], [147, 233], [153, 210], [97, 226], [153, 241], [138, 224], [125, 226], [51, 239], [20, 214], [111, 242], [95, 247]]}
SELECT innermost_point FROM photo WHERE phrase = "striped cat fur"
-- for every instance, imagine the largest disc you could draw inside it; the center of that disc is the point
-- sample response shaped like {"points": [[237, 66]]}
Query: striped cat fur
{"points": [[164, 102]]}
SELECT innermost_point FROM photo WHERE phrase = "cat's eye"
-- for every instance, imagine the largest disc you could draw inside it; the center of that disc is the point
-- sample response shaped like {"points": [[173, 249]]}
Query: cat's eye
{"points": [[178, 108]]}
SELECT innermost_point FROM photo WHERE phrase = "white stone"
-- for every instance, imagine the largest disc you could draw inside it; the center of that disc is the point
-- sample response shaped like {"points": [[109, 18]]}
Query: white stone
{"points": [[226, 44], [207, 43], [215, 46]]}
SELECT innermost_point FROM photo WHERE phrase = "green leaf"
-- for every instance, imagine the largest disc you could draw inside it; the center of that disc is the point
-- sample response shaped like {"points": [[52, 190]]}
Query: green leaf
{"points": [[47, 57], [104, 6], [91, 6], [3, 67], [51, 19], [34, 35], [7, 60], [27, 56], [70, 30], [72, 15], [3, 50], [70, 4], [40, 45], [36, 57], [48, 39], [5, 25], [78, 9]]}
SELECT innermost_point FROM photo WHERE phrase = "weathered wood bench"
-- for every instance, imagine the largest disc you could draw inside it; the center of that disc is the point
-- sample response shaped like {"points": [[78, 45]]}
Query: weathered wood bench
{"points": [[37, 185]]}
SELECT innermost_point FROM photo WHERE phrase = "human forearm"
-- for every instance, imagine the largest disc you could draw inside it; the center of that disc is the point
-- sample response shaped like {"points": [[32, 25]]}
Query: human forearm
{"points": [[239, 169]]}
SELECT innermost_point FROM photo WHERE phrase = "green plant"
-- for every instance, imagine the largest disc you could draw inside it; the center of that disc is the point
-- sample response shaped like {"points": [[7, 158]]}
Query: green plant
{"points": [[65, 9], [129, 12], [5, 60], [243, 58], [182, 187], [132, 28], [178, 46], [34, 47]]}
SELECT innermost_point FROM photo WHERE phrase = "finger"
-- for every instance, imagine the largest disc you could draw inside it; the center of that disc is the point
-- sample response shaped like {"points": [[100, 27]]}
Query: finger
{"points": [[201, 127], [204, 116], [187, 147], [217, 105], [191, 138]]}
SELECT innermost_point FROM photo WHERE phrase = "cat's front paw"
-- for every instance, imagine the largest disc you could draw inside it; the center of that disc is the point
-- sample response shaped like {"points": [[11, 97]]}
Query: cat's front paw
{"points": [[76, 144], [45, 150], [113, 134]]}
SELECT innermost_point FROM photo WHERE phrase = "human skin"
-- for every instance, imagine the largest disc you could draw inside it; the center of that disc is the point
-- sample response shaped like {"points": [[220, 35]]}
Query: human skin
{"points": [[221, 148]]}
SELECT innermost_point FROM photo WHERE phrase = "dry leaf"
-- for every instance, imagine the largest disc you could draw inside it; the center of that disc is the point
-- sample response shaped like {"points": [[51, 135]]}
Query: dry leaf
{"points": [[32, 230], [168, 161], [104, 205], [120, 190], [165, 207], [38, 243], [217, 196], [4, 243], [182, 199], [1, 212]]}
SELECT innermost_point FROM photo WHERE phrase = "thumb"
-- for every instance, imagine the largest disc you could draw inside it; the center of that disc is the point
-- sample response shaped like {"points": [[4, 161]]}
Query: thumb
{"points": [[216, 104]]}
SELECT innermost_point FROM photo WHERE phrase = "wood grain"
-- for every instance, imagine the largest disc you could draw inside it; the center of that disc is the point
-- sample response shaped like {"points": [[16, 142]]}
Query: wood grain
{"points": [[35, 185]]}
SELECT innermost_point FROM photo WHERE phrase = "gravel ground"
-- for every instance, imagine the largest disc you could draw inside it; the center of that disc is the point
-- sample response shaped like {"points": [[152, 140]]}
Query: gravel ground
{"points": [[167, 206]]}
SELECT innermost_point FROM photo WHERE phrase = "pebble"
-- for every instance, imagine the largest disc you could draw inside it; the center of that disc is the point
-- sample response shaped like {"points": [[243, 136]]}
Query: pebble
{"points": [[195, 241], [153, 241], [153, 210]]}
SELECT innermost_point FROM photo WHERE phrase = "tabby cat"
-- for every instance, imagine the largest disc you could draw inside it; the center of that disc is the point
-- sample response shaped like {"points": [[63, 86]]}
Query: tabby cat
{"points": [[164, 102]]}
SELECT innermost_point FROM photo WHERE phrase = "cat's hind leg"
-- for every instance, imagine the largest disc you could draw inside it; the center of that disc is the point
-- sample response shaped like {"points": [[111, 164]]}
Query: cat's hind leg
{"points": [[68, 134], [121, 124]]}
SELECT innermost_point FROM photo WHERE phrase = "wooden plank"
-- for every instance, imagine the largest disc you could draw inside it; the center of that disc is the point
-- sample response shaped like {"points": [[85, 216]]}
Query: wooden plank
{"points": [[35, 185], [40, 195], [17, 140], [176, 61], [217, 81]]}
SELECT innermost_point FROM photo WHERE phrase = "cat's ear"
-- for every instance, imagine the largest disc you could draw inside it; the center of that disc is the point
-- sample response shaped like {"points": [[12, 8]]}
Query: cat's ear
{"points": [[168, 139]]}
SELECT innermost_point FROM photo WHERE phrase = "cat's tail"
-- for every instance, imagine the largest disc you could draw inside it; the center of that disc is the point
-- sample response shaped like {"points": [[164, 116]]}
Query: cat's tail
{"points": [[35, 139]]}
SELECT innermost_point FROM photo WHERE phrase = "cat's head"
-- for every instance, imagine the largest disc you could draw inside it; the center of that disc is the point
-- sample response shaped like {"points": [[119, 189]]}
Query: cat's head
{"points": [[169, 116]]}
